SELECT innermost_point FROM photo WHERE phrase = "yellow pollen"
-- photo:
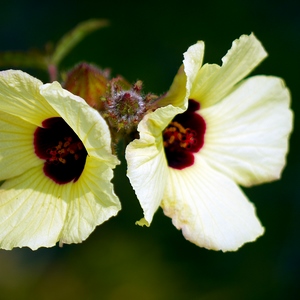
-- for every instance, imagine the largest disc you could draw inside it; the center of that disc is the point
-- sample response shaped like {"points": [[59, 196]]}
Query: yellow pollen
{"points": [[179, 126], [62, 160], [175, 135], [171, 139]]}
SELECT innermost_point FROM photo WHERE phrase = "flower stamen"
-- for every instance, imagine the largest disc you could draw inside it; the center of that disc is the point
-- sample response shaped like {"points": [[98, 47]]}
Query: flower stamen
{"points": [[176, 135], [183, 137], [59, 153]]}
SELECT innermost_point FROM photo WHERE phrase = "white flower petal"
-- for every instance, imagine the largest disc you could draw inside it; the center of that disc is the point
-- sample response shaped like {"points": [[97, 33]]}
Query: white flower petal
{"points": [[37, 212], [210, 208], [32, 211], [20, 96], [91, 202], [247, 132], [147, 171], [16, 146], [147, 165], [88, 124], [212, 83], [179, 91], [154, 123]]}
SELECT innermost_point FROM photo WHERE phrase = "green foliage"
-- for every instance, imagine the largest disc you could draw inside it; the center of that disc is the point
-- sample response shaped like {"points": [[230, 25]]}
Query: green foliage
{"points": [[42, 60], [32, 59], [71, 39]]}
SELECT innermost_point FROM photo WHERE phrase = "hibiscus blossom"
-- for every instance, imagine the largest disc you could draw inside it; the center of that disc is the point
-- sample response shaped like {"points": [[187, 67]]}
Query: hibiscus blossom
{"points": [[215, 131], [56, 164]]}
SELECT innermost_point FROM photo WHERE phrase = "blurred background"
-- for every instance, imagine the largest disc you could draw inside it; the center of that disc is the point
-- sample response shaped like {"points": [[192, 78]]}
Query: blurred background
{"points": [[120, 260]]}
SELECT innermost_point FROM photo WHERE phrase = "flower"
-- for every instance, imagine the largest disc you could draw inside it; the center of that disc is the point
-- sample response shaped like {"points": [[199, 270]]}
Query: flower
{"points": [[215, 131], [56, 161]]}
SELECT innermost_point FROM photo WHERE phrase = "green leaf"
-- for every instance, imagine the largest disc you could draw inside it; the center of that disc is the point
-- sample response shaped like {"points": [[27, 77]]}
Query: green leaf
{"points": [[23, 60], [71, 39]]}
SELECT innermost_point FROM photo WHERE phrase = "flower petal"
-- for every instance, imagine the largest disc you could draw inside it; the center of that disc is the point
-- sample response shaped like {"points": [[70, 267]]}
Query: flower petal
{"points": [[20, 96], [213, 82], [86, 122], [16, 147], [147, 165], [37, 212], [210, 208], [91, 201], [247, 132], [179, 92], [32, 211], [147, 171]]}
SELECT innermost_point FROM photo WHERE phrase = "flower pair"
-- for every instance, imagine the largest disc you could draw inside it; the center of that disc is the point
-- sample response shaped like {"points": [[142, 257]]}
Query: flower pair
{"points": [[210, 133]]}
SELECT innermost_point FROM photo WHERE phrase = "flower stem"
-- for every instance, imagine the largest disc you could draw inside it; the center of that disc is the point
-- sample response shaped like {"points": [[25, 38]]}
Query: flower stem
{"points": [[52, 70]]}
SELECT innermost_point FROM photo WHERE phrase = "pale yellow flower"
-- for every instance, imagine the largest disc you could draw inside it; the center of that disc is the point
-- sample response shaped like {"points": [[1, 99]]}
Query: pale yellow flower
{"points": [[216, 131], [56, 161]]}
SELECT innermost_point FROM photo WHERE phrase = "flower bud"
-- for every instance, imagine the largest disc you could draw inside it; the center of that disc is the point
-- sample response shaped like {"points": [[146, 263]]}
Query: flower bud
{"points": [[125, 105], [88, 82]]}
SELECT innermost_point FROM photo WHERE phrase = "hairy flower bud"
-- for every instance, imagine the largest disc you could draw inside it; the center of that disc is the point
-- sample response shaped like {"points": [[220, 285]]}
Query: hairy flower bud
{"points": [[125, 105]]}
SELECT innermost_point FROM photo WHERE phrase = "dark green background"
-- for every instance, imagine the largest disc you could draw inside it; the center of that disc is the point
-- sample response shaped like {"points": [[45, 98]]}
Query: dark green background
{"points": [[120, 260]]}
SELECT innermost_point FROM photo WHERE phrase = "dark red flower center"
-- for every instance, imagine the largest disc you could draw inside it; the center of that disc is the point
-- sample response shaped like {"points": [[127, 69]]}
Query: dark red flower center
{"points": [[184, 136], [62, 150]]}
